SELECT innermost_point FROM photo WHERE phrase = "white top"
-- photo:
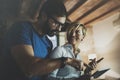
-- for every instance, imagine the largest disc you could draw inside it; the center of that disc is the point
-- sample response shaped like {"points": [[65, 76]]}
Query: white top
{"points": [[68, 71]]}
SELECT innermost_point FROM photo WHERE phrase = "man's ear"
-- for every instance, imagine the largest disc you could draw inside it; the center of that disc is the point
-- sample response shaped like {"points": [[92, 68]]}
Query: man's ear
{"points": [[44, 16]]}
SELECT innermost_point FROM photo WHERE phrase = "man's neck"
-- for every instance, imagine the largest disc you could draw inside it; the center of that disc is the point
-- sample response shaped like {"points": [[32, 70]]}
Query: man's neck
{"points": [[37, 27]]}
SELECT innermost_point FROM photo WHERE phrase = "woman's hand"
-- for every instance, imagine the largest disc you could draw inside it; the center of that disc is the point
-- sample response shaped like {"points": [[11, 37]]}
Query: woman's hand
{"points": [[91, 66]]}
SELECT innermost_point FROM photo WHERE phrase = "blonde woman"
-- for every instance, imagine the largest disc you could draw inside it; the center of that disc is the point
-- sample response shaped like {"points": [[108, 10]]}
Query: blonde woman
{"points": [[75, 34]]}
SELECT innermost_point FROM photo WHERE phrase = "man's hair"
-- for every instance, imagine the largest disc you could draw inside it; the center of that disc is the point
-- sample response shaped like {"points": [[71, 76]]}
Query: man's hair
{"points": [[54, 8]]}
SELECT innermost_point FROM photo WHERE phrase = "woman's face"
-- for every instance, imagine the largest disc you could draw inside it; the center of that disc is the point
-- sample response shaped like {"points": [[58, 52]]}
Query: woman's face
{"points": [[76, 36]]}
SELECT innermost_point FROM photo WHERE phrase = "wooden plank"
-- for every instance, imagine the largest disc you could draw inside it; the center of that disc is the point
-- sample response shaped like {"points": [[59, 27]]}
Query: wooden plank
{"points": [[78, 4], [70, 3], [103, 9], [88, 5], [104, 16], [93, 9]]}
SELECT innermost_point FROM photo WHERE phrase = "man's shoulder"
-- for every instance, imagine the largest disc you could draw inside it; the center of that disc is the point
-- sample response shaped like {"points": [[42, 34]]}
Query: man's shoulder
{"points": [[21, 25]]}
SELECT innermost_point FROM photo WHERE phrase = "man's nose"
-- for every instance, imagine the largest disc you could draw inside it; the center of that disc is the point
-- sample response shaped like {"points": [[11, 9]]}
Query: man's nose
{"points": [[59, 28]]}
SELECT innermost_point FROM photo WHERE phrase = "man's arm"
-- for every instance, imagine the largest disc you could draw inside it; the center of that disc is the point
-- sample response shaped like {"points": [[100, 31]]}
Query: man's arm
{"points": [[30, 65]]}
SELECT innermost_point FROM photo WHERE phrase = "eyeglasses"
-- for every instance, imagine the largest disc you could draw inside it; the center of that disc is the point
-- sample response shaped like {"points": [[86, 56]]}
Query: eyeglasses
{"points": [[57, 23]]}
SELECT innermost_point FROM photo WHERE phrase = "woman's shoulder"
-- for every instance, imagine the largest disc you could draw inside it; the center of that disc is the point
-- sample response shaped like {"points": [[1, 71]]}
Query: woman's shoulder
{"points": [[58, 48], [62, 47]]}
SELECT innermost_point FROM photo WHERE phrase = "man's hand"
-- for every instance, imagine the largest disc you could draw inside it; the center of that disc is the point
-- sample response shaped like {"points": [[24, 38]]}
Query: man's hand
{"points": [[75, 63]]}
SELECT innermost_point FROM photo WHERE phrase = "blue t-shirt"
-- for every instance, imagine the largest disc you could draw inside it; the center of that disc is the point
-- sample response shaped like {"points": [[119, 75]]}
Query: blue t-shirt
{"points": [[23, 33]]}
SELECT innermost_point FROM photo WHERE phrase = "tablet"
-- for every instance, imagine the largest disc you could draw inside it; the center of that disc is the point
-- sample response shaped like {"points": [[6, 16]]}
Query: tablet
{"points": [[99, 73]]}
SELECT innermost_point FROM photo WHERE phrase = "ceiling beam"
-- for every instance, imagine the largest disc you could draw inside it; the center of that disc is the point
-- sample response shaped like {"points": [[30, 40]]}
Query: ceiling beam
{"points": [[103, 16], [101, 10], [76, 6], [88, 5], [93, 9]]}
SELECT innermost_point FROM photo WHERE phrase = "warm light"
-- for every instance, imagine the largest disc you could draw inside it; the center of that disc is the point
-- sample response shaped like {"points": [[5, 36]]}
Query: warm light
{"points": [[91, 56], [117, 27]]}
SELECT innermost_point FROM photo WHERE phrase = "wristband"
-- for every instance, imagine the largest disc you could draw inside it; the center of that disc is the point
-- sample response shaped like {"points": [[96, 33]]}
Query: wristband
{"points": [[63, 60]]}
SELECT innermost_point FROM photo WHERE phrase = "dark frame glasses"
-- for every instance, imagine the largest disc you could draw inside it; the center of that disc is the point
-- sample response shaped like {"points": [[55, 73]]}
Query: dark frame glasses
{"points": [[56, 22]]}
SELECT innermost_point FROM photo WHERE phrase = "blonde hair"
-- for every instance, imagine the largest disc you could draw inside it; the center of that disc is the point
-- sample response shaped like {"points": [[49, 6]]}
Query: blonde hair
{"points": [[74, 26]]}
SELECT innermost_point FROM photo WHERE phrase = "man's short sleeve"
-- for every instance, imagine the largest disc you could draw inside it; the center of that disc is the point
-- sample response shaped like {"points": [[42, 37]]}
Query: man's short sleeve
{"points": [[20, 34]]}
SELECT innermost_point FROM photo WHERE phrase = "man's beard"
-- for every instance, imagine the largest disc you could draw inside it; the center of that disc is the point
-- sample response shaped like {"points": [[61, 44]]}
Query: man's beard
{"points": [[49, 31], [52, 32]]}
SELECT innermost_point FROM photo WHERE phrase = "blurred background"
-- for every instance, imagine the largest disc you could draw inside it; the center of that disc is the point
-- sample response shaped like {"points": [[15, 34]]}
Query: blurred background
{"points": [[101, 18]]}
